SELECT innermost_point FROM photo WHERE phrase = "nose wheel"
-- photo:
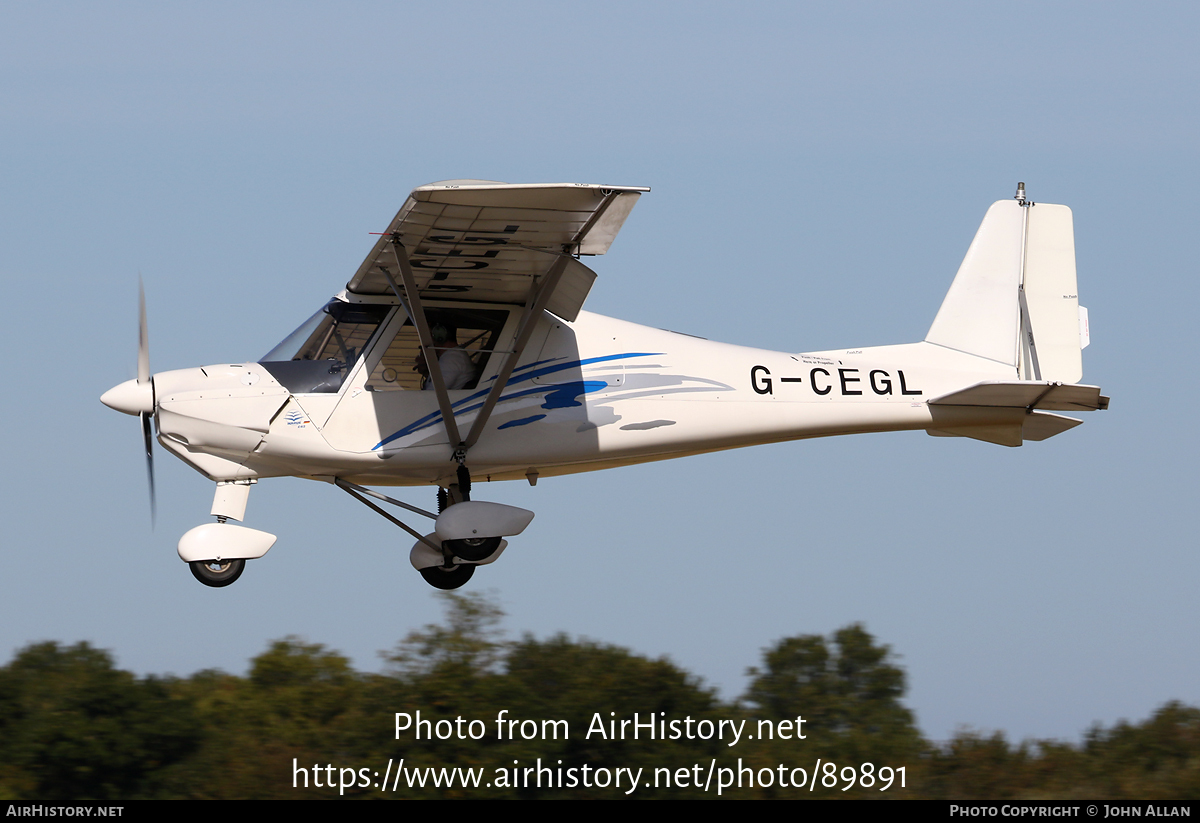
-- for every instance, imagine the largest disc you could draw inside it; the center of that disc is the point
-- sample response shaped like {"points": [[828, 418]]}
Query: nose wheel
{"points": [[218, 573]]}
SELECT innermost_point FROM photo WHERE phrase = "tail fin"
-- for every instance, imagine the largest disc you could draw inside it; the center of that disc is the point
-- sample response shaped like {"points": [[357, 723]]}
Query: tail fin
{"points": [[1014, 298]]}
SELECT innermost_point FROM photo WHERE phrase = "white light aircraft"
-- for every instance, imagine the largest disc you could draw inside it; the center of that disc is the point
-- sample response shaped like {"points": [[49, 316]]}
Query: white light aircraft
{"points": [[460, 350]]}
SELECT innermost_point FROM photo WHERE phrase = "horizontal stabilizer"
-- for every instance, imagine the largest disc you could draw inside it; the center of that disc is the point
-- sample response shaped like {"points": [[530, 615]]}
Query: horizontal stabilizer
{"points": [[1043, 425], [1001, 435], [1031, 426], [1027, 394]]}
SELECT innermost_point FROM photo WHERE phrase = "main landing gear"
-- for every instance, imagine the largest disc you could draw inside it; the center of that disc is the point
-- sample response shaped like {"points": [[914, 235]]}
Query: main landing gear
{"points": [[466, 533], [444, 578], [472, 549]]}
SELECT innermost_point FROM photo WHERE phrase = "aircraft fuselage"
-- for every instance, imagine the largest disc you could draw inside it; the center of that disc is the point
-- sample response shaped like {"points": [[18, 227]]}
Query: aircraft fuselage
{"points": [[588, 395]]}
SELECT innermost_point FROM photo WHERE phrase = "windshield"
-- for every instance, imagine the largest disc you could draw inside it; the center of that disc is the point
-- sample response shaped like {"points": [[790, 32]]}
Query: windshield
{"points": [[317, 356]]}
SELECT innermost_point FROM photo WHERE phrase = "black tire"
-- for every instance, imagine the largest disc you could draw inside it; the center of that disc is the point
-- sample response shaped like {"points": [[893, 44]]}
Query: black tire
{"points": [[442, 578], [217, 573], [476, 549]]}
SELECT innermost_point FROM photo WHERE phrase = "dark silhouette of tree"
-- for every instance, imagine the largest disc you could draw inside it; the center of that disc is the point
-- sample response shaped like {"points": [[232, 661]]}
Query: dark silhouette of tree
{"points": [[590, 684], [300, 703], [848, 691], [73, 727]]}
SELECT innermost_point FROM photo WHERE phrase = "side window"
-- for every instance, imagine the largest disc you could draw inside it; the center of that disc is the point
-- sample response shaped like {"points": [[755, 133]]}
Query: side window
{"points": [[397, 368], [474, 331]]}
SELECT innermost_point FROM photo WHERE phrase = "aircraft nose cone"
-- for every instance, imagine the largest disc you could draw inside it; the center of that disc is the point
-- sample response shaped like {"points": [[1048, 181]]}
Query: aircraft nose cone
{"points": [[130, 397]]}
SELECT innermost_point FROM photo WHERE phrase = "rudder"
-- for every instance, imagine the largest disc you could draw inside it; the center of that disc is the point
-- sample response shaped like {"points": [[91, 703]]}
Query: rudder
{"points": [[1051, 346]]}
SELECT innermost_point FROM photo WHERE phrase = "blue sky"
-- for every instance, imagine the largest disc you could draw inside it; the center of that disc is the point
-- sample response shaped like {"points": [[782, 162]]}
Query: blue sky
{"points": [[818, 171]]}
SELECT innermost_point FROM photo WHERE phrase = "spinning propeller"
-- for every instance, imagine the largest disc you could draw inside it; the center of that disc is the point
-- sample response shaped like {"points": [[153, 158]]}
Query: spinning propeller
{"points": [[137, 396]]}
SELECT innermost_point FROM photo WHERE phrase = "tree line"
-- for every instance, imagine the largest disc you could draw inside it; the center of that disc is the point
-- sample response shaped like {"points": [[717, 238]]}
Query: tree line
{"points": [[73, 727]]}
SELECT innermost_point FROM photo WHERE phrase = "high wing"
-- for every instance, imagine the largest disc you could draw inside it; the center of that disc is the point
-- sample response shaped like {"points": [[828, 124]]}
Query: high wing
{"points": [[496, 242]]}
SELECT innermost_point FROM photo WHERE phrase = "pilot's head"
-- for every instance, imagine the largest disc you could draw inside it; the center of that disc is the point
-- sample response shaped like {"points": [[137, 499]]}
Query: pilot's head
{"points": [[443, 334]]}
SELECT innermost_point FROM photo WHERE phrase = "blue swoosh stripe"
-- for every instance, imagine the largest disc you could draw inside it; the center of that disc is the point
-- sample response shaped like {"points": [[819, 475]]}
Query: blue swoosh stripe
{"points": [[461, 406]]}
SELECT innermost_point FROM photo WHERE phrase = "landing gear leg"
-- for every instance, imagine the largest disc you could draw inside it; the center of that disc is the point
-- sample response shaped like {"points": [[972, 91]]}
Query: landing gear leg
{"points": [[207, 549], [446, 575], [457, 492], [464, 481]]}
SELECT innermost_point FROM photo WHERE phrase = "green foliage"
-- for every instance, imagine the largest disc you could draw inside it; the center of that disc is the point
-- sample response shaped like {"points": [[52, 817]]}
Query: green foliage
{"points": [[1156, 759], [849, 696], [587, 683], [974, 766], [469, 645], [465, 668], [73, 727], [299, 701]]}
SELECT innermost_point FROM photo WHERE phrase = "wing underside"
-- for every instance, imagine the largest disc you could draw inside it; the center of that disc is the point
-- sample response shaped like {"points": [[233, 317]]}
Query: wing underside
{"points": [[494, 242]]}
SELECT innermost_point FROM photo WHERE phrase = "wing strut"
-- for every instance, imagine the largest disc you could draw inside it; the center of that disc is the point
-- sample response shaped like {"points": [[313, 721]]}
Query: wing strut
{"points": [[533, 311], [529, 318], [534, 306], [411, 301]]}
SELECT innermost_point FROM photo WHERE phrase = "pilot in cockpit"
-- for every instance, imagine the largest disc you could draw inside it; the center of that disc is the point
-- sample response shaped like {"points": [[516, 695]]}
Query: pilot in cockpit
{"points": [[458, 370]]}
